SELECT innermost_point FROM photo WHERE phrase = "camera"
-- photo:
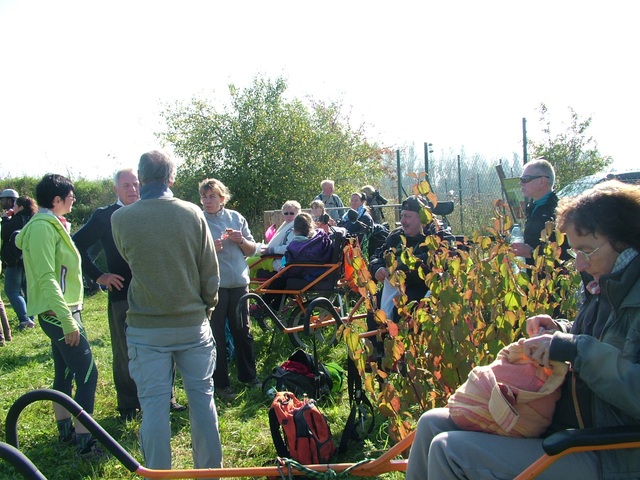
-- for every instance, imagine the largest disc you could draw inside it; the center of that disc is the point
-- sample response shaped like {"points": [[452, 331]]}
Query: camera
{"points": [[380, 198], [324, 218]]}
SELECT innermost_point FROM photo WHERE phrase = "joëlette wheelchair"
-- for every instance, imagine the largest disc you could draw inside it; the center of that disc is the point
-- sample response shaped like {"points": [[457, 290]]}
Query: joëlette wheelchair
{"points": [[324, 301]]}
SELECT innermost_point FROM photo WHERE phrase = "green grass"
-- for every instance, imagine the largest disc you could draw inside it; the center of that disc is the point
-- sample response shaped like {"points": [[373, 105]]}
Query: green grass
{"points": [[26, 364]]}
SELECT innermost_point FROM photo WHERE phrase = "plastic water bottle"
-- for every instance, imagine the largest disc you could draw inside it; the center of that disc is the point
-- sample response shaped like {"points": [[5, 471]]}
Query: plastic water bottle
{"points": [[517, 236], [271, 393]]}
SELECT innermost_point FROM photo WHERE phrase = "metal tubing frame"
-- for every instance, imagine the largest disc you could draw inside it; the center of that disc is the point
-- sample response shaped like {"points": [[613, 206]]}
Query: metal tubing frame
{"points": [[383, 464]]}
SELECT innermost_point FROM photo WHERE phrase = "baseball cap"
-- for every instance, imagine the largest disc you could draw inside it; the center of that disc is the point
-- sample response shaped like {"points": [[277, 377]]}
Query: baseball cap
{"points": [[413, 204], [9, 193]]}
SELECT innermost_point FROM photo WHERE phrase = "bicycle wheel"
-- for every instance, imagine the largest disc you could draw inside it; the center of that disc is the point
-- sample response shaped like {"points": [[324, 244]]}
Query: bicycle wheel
{"points": [[325, 335]]}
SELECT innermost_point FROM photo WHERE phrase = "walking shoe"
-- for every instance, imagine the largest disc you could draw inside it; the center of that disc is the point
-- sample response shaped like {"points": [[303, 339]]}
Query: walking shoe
{"points": [[27, 324], [92, 452], [227, 394], [255, 383], [176, 407], [2, 343]]}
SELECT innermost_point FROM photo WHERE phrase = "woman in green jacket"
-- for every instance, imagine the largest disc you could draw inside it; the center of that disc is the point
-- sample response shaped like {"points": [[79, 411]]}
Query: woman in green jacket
{"points": [[55, 292]]}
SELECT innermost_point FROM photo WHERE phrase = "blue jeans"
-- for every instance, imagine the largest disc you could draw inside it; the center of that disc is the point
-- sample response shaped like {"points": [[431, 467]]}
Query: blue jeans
{"points": [[15, 286], [152, 352]]}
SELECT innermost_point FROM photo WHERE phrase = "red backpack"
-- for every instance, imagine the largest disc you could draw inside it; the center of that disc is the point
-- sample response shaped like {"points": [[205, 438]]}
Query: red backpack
{"points": [[307, 437]]}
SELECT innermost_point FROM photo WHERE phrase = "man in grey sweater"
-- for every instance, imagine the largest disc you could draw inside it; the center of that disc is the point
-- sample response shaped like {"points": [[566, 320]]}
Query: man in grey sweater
{"points": [[174, 286]]}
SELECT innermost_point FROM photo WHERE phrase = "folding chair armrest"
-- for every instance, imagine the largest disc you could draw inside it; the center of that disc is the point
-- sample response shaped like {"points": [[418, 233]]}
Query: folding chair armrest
{"points": [[590, 437]]}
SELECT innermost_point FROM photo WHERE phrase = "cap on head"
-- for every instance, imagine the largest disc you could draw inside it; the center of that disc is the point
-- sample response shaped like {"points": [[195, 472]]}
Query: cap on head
{"points": [[9, 193], [413, 204]]}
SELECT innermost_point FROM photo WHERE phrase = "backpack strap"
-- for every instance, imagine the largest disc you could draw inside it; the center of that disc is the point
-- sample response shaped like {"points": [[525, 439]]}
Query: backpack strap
{"points": [[360, 406], [276, 435]]}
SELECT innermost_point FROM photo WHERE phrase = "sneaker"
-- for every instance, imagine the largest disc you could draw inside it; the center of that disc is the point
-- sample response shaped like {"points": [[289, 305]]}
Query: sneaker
{"points": [[92, 452], [2, 343], [227, 394], [69, 439], [176, 407], [27, 324]]}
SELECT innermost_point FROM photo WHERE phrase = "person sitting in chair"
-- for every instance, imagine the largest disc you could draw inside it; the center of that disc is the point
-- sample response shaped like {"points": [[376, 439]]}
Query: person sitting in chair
{"points": [[601, 345], [309, 245], [359, 222]]}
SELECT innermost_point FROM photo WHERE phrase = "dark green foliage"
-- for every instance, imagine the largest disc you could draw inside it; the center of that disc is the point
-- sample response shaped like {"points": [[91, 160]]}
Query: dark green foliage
{"points": [[268, 149]]}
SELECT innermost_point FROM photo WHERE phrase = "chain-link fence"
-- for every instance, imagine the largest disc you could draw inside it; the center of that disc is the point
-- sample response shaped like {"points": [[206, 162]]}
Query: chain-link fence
{"points": [[471, 183]]}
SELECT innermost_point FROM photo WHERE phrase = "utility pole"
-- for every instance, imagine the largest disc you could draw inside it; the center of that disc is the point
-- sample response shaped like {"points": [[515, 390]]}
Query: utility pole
{"points": [[524, 141], [427, 151], [399, 176]]}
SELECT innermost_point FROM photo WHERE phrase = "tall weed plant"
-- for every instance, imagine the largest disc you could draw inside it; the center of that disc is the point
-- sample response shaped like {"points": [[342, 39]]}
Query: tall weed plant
{"points": [[479, 298]]}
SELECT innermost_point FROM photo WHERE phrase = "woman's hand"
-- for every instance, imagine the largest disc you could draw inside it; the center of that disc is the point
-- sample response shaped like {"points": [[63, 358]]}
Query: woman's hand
{"points": [[537, 349], [234, 235], [540, 324], [72, 339]]}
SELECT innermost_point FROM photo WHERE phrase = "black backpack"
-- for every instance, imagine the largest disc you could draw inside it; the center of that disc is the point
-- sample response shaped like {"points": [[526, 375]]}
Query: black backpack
{"points": [[11, 254], [300, 374]]}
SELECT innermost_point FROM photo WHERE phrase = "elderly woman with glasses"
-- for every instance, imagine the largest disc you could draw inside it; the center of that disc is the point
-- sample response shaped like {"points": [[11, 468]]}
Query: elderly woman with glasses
{"points": [[265, 266], [602, 345], [278, 243]]}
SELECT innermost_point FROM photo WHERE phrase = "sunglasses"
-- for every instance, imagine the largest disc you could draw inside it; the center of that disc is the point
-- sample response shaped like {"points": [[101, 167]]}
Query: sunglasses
{"points": [[528, 178], [587, 256], [288, 213]]}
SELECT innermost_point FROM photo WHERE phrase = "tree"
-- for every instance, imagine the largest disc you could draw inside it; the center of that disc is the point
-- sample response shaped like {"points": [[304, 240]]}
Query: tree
{"points": [[573, 153], [267, 149]]}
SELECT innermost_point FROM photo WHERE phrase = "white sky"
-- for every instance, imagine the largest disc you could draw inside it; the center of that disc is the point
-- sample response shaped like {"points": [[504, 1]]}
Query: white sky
{"points": [[81, 82]]}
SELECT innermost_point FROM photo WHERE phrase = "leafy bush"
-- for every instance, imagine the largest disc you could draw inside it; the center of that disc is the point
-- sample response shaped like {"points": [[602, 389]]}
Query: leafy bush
{"points": [[478, 303]]}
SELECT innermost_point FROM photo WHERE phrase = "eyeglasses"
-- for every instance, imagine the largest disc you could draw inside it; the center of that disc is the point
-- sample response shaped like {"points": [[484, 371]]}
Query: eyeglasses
{"points": [[71, 196], [528, 178], [587, 256], [288, 213]]}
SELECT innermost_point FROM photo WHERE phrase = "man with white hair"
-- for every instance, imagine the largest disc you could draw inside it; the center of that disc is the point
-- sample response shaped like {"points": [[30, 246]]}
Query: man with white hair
{"points": [[332, 202], [536, 182]]}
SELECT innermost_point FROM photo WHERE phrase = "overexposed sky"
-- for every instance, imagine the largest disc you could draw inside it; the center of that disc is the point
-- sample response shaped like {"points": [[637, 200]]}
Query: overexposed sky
{"points": [[82, 82]]}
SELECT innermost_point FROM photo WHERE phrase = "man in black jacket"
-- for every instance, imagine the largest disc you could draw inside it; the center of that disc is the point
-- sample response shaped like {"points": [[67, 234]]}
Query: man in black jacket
{"points": [[117, 279], [413, 227]]}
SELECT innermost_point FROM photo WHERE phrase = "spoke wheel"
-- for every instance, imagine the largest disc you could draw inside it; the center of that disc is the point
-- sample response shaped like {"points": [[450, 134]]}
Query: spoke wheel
{"points": [[324, 336]]}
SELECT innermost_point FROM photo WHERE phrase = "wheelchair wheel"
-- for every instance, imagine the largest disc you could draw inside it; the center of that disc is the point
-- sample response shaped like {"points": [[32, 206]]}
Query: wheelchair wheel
{"points": [[325, 336]]}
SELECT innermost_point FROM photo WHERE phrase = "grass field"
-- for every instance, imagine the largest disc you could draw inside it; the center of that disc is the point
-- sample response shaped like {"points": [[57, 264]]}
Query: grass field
{"points": [[26, 364]]}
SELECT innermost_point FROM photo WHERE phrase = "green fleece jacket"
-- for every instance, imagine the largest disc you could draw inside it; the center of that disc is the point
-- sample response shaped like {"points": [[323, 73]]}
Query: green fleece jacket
{"points": [[52, 266]]}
